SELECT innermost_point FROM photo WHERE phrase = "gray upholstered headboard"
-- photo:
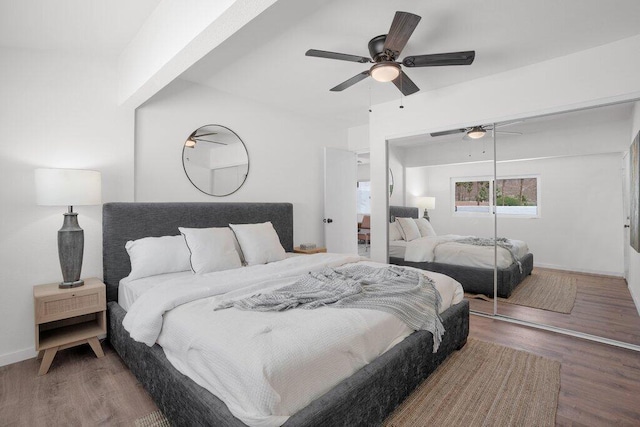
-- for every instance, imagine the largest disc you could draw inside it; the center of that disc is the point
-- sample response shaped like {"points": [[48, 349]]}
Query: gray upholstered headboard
{"points": [[403, 212], [130, 221]]}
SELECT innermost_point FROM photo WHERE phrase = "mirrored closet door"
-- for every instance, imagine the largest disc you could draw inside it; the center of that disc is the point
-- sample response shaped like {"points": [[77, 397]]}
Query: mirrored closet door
{"points": [[561, 192], [447, 179]]}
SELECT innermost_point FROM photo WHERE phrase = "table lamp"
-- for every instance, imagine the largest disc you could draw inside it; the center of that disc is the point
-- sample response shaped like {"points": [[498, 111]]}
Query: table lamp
{"points": [[69, 187], [426, 203]]}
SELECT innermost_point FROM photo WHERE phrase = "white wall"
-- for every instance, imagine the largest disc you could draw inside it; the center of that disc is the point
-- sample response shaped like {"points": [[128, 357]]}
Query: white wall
{"points": [[56, 111], [634, 257], [556, 85], [285, 152]]}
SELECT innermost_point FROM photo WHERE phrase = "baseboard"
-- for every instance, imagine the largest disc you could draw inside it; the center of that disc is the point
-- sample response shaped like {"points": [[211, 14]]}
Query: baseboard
{"points": [[580, 270], [18, 356]]}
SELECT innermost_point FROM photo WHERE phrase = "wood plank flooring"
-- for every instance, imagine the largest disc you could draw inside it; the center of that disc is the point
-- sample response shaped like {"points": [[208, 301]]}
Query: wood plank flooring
{"points": [[600, 384], [603, 307]]}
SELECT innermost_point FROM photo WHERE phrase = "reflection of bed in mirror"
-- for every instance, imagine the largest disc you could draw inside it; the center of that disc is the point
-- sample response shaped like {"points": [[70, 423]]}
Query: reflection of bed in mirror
{"points": [[471, 265], [364, 397]]}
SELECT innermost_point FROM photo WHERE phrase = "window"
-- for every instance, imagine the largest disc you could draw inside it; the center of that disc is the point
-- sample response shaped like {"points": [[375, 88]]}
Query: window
{"points": [[364, 197], [517, 196], [472, 196], [514, 196]]}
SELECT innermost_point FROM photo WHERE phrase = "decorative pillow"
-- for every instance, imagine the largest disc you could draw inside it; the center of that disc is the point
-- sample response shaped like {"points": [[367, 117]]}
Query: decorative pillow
{"points": [[151, 256], [260, 243], [425, 227], [394, 232], [211, 249], [408, 228]]}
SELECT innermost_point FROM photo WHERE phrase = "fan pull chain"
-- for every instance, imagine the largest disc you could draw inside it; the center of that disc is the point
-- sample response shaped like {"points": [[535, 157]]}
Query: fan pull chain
{"points": [[369, 97], [401, 92]]}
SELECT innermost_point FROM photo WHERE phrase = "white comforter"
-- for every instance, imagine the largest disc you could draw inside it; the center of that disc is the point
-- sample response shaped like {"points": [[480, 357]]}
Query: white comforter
{"points": [[444, 249], [265, 366]]}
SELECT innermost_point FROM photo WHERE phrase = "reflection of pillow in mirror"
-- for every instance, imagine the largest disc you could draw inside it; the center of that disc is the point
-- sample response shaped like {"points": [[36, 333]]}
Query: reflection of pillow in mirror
{"points": [[425, 227], [394, 232], [408, 228], [151, 256], [211, 249], [260, 243]]}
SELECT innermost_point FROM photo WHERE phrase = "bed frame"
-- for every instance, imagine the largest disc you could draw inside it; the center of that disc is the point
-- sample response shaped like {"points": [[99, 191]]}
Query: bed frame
{"points": [[474, 280], [365, 398]]}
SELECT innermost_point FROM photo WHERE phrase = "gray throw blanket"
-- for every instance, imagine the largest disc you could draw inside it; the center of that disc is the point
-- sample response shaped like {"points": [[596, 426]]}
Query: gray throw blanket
{"points": [[407, 294], [486, 241]]}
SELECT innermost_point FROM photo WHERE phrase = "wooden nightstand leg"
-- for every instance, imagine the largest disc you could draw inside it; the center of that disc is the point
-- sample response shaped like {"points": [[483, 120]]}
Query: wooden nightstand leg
{"points": [[95, 345], [40, 354], [47, 359]]}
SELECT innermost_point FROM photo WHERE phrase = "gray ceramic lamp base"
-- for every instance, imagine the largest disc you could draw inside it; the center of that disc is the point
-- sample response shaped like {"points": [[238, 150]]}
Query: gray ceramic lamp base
{"points": [[70, 251]]}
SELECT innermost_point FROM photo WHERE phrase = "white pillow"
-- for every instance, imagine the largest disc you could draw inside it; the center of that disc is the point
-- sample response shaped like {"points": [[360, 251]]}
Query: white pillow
{"points": [[425, 227], [394, 232], [408, 228], [212, 249], [151, 256], [259, 243]]}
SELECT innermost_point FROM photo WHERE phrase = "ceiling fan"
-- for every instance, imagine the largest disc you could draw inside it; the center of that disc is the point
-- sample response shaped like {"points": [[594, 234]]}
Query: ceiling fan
{"points": [[385, 50], [194, 139], [476, 132]]}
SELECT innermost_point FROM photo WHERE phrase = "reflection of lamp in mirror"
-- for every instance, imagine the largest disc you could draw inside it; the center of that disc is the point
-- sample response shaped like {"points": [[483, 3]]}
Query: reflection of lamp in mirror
{"points": [[69, 187], [426, 203]]}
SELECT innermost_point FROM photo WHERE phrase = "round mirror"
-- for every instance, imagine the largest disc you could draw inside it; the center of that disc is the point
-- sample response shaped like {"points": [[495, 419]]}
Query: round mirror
{"points": [[390, 183], [215, 160]]}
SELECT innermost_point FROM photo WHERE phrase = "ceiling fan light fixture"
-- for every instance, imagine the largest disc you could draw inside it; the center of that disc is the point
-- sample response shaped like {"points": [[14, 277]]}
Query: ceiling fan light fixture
{"points": [[190, 143], [385, 71], [476, 132]]}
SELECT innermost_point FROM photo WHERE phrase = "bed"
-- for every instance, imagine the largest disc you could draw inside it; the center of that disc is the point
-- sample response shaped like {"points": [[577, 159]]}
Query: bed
{"points": [[364, 398], [475, 279]]}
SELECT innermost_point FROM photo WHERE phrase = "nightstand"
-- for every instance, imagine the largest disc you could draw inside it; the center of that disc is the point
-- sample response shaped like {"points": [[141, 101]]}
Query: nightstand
{"points": [[297, 250], [68, 317]]}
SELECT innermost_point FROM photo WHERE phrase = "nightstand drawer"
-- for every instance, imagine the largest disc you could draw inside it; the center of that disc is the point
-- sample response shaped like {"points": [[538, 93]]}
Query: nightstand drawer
{"points": [[62, 304]]}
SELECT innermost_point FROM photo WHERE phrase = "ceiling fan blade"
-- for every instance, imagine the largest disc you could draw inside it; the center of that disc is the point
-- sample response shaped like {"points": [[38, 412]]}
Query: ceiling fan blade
{"points": [[205, 134], [440, 59], [448, 132], [208, 140], [353, 80], [401, 29], [335, 55], [405, 84]]}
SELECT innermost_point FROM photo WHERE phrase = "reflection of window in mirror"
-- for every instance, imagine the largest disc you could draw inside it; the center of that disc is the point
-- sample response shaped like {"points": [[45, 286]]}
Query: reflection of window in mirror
{"points": [[517, 196], [364, 197]]}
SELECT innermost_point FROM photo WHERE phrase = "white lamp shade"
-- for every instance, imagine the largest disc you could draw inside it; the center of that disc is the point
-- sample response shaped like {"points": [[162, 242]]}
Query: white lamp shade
{"points": [[68, 187], [427, 202]]}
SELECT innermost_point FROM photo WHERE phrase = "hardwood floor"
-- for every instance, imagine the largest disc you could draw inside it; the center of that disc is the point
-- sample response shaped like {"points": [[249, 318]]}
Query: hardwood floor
{"points": [[600, 384], [79, 390], [603, 307]]}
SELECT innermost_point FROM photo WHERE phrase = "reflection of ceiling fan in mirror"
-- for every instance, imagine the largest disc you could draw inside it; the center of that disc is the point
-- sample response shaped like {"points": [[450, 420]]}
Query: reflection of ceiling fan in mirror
{"points": [[476, 132], [385, 50], [194, 139]]}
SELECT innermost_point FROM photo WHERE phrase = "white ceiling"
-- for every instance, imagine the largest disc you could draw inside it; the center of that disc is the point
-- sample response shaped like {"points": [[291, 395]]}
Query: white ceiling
{"points": [[101, 27], [265, 61]]}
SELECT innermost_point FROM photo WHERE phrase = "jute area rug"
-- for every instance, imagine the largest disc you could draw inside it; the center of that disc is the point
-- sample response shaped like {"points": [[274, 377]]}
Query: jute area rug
{"points": [[545, 290], [483, 384]]}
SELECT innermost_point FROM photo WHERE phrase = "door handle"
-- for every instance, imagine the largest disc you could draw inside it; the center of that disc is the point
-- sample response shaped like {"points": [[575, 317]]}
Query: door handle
{"points": [[327, 220], [627, 226]]}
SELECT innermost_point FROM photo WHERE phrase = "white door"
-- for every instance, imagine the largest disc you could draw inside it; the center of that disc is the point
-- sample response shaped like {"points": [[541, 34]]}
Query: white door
{"points": [[340, 207], [626, 179]]}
